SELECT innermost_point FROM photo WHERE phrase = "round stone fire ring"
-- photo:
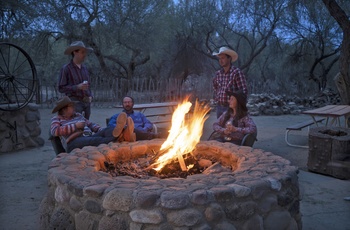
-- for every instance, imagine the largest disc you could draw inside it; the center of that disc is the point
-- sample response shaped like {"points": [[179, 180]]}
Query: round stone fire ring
{"points": [[260, 192]]}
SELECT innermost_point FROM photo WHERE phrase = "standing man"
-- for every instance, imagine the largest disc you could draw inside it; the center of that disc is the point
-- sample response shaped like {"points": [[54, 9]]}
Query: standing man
{"points": [[143, 128], [228, 78], [74, 79]]}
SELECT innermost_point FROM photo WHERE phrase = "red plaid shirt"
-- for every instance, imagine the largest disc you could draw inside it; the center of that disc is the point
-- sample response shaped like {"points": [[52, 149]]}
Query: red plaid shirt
{"points": [[233, 80]]}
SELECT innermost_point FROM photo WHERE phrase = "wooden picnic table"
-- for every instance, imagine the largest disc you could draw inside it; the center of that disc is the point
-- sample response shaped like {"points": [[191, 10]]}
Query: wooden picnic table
{"points": [[333, 112]]}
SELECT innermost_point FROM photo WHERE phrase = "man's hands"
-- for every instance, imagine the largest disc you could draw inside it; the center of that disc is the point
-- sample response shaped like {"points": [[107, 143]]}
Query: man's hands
{"points": [[80, 124], [83, 86]]}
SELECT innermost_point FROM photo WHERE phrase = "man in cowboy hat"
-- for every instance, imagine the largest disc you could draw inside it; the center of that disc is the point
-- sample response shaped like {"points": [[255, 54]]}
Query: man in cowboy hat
{"points": [[228, 78], [75, 131], [74, 80]]}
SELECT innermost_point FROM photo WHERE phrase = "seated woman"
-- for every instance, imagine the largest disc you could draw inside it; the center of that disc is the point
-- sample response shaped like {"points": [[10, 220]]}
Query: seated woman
{"points": [[235, 123], [75, 131]]}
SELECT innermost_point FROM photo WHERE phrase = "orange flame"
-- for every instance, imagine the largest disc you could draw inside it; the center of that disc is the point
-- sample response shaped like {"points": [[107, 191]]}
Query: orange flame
{"points": [[184, 134]]}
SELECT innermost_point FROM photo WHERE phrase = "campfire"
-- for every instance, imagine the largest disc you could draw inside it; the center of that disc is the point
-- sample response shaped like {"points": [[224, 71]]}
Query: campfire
{"points": [[174, 159]]}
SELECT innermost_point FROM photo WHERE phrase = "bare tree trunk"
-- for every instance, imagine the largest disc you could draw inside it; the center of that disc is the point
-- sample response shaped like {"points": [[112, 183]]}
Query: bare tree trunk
{"points": [[341, 86]]}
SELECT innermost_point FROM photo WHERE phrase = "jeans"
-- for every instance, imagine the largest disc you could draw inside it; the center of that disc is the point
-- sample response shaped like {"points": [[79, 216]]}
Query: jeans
{"points": [[144, 135], [222, 139], [85, 107], [102, 137]]}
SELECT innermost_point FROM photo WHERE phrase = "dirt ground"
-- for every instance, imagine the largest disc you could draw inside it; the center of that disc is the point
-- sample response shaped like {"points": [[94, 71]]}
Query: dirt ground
{"points": [[23, 175]]}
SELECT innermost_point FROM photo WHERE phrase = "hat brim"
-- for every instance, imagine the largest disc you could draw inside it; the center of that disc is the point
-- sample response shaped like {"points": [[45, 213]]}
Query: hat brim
{"points": [[59, 107], [231, 53], [70, 49]]}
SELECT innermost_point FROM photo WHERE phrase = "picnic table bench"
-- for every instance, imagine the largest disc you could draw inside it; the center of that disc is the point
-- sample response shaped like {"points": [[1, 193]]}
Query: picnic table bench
{"points": [[298, 127]]}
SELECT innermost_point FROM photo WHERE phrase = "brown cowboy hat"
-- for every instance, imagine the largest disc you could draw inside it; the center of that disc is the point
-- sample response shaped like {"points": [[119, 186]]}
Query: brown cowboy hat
{"points": [[75, 46], [61, 103], [225, 50]]}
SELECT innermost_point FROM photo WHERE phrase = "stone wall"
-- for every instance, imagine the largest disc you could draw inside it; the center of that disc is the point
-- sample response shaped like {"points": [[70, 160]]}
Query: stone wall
{"points": [[20, 129], [329, 151], [261, 192]]}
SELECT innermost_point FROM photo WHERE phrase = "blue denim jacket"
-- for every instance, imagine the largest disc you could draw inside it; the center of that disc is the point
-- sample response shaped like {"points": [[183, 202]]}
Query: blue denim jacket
{"points": [[140, 121]]}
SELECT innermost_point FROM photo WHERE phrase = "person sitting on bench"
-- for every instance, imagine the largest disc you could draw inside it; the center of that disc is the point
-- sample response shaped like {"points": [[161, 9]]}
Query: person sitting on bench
{"points": [[235, 123], [75, 131], [143, 127]]}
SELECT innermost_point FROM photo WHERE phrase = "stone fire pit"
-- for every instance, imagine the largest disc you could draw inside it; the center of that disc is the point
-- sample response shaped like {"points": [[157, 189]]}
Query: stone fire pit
{"points": [[261, 192]]}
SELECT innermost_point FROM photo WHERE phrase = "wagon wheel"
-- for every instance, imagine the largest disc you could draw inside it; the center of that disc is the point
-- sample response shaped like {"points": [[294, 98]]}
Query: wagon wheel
{"points": [[18, 79]]}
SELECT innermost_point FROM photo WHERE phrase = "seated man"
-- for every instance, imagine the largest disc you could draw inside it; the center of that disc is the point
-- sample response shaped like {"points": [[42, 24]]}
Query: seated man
{"points": [[143, 128], [75, 131], [233, 124]]}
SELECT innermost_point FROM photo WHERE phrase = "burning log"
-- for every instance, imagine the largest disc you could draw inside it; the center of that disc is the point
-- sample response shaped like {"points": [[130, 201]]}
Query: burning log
{"points": [[184, 134], [141, 168]]}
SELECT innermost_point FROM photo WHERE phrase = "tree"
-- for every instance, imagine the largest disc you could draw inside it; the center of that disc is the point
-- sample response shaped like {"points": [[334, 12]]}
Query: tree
{"points": [[138, 43], [248, 27], [342, 79], [315, 39]]}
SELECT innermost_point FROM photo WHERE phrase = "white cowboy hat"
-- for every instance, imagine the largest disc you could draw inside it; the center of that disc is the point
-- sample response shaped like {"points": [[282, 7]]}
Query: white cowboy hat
{"points": [[225, 50], [75, 46]]}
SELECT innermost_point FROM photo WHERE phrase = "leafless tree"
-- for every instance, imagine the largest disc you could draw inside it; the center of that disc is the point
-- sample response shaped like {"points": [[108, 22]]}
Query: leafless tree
{"points": [[151, 41], [315, 40], [343, 79]]}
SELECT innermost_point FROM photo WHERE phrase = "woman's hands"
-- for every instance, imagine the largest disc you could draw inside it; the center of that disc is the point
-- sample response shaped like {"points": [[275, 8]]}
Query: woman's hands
{"points": [[230, 129]]}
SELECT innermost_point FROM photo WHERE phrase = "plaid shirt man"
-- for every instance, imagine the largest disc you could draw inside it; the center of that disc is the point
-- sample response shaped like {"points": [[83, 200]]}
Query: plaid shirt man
{"points": [[233, 80], [71, 75]]}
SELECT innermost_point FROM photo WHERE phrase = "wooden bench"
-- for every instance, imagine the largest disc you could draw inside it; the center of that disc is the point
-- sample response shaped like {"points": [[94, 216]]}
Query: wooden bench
{"points": [[159, 114], [165, 117], [299, 127], [160, 118]]}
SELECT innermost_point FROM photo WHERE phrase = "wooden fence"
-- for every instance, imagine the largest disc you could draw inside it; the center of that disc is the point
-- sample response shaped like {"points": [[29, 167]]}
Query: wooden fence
{"points": [[142, 90]]}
